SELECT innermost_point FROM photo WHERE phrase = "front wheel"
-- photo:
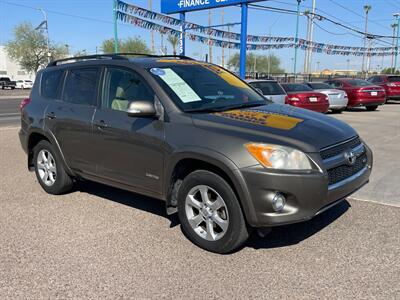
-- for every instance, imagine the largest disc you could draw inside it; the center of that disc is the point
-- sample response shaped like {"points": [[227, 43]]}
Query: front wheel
{"points": [[210, 213], [372, 107]]}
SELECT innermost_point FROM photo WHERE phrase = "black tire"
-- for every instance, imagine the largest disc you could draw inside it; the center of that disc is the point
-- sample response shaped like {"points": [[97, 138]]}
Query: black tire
{"points": [[63, 182], [337, 111], [371, 107], [237, 231]]}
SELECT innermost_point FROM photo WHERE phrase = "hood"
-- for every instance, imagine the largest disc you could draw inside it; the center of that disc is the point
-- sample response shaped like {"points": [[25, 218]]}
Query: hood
{"points": [[278, 124]]}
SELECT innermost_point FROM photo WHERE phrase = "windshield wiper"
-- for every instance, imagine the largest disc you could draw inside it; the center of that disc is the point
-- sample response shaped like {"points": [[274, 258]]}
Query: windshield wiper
{"points": [[224, 108]]}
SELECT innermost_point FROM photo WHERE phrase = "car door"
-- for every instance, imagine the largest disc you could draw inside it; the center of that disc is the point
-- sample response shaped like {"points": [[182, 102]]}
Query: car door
{"points": [[69, 118], [130, 150]]}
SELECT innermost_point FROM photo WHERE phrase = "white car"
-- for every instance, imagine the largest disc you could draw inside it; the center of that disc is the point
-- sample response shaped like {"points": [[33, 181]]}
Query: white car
{"points": [[24, 84], [271, 89], [337, 98]]}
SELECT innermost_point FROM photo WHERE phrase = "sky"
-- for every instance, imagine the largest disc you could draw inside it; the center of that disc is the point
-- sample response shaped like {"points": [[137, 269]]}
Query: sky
{"points": [[84, 24]]}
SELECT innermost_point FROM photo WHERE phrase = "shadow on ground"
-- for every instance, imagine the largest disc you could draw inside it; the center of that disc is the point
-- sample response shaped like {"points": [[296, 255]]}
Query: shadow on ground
{"points": [[279, 237]]}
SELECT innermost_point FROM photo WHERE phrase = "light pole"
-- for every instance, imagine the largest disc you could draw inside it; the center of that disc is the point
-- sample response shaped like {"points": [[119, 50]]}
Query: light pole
{"points": [[46, 28], [310, 32], [396, 15], [296, 38], [394, 26], [367, 8], [348, 66], [318, 66], [150, 4], [116, 46], [269, 50]]}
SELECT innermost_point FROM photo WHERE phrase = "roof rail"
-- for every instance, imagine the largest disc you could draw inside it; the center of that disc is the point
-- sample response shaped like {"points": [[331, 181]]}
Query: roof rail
{"points": [[119, 56]]}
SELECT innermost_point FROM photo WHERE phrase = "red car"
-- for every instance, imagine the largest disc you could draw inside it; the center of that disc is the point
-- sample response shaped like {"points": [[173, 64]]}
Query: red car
{"points": [[301, 95], [391, 84], [360, 92]]}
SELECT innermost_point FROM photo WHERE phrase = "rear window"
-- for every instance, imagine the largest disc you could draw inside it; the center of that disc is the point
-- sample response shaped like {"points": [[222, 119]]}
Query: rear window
{"points": [[358, 82], [81, 86], [268, 87], [293, 87], [319, 85], [394, 78], [50, 83]]}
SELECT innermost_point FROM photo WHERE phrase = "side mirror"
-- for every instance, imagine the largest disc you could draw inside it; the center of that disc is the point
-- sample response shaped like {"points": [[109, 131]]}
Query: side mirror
{"points": [[141, 108]]}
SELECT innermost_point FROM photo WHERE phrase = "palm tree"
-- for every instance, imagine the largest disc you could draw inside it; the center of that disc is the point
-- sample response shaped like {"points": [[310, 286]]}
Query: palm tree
{"points": [[173, 40]]}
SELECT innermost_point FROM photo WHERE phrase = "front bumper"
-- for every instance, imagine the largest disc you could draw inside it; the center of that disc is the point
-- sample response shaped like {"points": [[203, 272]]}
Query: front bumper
{"points": [[307, 194]]}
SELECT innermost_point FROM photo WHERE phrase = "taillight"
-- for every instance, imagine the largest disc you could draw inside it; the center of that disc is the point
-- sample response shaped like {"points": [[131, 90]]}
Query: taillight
{"points": [[391, 84], [24, 103], [293, 99]]}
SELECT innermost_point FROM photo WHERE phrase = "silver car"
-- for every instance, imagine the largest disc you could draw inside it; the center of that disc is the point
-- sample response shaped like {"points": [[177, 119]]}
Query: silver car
{"points": [[337, 98], [271, 89]]}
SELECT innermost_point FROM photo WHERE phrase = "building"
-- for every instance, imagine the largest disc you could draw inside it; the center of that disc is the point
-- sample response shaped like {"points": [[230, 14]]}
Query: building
{"points": [[10, 68], [328, 72]]}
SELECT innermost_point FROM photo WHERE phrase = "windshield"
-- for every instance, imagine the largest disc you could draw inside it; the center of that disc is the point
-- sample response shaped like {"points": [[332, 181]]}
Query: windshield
{"points": [[394, 78], [294, 87], [358, 82], [319, 86], [195, 86], [268, 87]]}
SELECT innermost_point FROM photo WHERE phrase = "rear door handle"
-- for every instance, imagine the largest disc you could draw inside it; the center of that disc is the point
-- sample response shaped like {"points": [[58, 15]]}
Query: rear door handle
{"points": [[51, 115], [101, 124]]}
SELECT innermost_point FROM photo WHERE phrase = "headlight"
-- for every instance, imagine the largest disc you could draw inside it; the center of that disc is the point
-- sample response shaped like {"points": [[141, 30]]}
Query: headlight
{"points": [[279, 157]]}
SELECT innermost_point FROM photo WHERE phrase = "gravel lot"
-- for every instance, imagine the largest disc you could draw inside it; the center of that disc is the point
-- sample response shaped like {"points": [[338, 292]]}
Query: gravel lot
{"points": [[101, 242]]}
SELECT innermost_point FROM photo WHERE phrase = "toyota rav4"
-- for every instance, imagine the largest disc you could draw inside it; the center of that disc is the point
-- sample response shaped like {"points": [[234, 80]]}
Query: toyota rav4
{"points": [[191, 133]]}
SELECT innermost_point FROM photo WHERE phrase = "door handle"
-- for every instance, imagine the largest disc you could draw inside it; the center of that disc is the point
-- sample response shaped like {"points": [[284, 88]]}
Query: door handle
{"points": [[51, 115], [101, 124]]}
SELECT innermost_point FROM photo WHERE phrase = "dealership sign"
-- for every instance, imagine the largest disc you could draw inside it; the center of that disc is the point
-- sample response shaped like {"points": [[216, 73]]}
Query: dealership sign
{"points": [[177, 6]]}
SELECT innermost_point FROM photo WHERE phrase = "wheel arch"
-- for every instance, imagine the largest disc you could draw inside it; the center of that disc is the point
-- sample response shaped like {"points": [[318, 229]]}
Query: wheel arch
{"points": [[36, 136], [183, 163]]}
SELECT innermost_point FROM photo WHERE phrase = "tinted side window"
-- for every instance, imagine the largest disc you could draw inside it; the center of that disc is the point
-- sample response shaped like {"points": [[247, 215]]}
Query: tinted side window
{"points": [[81, 86], [50, 83], [335, 84], [122, 87]]}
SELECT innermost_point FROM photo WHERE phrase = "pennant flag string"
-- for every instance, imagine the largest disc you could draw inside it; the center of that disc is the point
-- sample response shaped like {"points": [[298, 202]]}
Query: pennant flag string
{"points": [[131, 9], [233, 45]]}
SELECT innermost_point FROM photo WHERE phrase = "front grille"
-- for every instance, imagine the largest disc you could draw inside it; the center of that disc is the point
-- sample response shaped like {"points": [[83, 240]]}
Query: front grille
{"points": [[336, 150], [342, 172]]}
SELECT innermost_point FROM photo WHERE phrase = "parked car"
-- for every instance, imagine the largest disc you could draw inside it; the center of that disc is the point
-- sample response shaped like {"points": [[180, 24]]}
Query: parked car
{"points": [[301, 95], [194, 135], [337, 98], [271, 89], [391, 84], [24, 84], [360, 92], [6, 82]]}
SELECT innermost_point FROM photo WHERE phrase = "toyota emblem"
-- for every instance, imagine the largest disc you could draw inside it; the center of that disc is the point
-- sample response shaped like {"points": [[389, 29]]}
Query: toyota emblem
{"points": [[350, 157]]}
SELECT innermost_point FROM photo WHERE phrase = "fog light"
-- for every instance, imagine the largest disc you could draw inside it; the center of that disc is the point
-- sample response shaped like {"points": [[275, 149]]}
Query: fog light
{"points": [[278, 202]]}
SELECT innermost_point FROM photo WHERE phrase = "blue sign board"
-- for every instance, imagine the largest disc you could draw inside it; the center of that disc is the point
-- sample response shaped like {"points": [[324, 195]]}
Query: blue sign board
{"points": [[177, 6]]}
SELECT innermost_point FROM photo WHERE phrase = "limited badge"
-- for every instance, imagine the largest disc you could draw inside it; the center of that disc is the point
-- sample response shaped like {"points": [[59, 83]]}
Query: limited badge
{"points": [[157, 71]]}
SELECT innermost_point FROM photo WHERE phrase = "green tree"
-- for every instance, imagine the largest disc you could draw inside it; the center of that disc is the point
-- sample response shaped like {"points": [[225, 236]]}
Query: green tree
{"points": [[173, 40], [259, 63], [29, 48], [133, 45], [389, 71]]}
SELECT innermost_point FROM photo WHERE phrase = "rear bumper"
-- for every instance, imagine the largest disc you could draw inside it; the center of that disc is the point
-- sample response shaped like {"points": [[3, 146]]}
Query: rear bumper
{"points": [[23, 138], [307, 194], [318, 107], [366, 102]]}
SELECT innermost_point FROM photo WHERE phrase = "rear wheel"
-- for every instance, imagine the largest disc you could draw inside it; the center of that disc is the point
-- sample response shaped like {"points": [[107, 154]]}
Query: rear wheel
{"points": [[372, 107], [210, 214], [49, 170], [337, 111]]}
